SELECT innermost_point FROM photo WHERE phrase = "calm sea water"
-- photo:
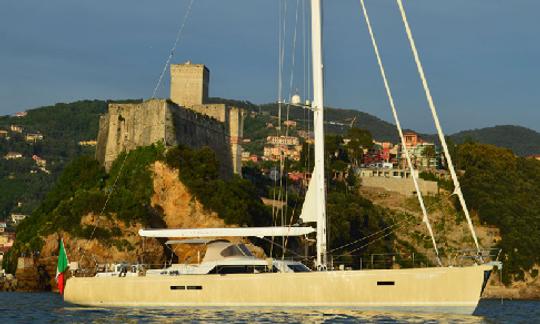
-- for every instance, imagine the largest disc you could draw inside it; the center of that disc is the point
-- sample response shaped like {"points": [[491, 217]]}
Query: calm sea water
{"points": [[49, 308]]}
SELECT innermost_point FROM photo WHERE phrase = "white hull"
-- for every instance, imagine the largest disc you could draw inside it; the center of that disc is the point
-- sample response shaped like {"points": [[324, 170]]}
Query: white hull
{"points": [[455, 290]]}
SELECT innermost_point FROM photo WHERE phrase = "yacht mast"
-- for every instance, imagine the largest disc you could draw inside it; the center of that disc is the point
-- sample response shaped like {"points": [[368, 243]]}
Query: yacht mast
{"points": [[318, 119]]}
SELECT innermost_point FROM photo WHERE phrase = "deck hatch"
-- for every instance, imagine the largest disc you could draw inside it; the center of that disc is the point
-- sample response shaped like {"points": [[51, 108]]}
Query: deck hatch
{"points": [[386, 283]]}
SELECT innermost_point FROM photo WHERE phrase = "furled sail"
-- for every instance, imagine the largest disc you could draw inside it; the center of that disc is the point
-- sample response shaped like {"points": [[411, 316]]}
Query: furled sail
{"points": [[309, 209]]}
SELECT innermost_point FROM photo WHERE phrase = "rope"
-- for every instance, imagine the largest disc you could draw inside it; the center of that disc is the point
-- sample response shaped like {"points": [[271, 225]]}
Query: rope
{"points": [[293, 63], [429, 98], [173, 49], [104, 206], [400, 131], [167, 62], [375, 240], [282, 32], [284, 248], [367, 237]]}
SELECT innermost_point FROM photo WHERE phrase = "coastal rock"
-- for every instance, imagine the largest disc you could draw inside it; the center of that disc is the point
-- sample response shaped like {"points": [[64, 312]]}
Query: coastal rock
{"points": [[180, 209], [526, 289]]}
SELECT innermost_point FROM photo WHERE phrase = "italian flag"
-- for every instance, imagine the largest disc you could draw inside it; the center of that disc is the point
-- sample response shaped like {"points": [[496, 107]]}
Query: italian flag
{"points": [[62, 267]]}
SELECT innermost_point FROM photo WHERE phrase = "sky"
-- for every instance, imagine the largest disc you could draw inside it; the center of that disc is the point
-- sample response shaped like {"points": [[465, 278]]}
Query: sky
{"points": [[480, 56]]}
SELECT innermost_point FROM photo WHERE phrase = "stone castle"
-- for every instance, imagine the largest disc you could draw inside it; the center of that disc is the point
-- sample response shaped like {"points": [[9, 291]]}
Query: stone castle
{"points": [[186, 118]]}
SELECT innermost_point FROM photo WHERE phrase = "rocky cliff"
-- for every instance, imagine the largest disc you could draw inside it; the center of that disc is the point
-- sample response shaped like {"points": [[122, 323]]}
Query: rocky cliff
{"points": [[170, 198]]}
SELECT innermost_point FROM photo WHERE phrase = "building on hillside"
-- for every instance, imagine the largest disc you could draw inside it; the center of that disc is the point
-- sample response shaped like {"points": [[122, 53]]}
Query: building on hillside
{"points": [[13, 156], [34, 137], [278, 146], [16, 128], [534, 156], [17, 218], [6, 241], [20, 114], [282, 140], [186, 118], [396, 180], [411, 139], [3, 133], [423, 154], [274, 153], [88, 143], [248, 157], [39, 161], [289, 123], [308, 136], [380, 153], [305, 134], [298, 176]]}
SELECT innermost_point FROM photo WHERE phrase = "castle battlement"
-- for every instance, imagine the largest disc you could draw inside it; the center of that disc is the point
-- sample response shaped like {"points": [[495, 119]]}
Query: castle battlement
{"points": [[127, 126]]}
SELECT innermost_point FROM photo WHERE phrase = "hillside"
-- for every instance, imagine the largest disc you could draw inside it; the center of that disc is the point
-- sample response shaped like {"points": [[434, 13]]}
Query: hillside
{"points": [[338, 121], [522, 141], [102, 212], [23, 184]]}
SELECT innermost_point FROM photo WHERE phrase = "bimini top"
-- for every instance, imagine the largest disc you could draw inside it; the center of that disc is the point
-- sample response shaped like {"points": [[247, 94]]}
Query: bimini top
{"points": [[228, 232]]}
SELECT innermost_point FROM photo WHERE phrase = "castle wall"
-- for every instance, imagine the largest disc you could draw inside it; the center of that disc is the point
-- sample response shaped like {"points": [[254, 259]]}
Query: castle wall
{"points": [[233, 119], [185, 119], [197, 130], [217, 111], [128, 126]]}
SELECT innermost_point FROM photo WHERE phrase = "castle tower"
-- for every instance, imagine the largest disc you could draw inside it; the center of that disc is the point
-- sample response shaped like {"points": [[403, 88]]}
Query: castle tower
{"points": [[189, 84]]}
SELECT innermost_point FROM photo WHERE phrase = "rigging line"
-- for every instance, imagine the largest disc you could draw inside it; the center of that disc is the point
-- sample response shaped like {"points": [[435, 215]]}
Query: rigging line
{"points": [[285, 208], [173, 49], [304, 50], [457, 190], [367, 237], [293, 63], [288, 230], [282, 38], [280, 197], [371, 242], [105, 204], [280, 13], [278, 126], [400, 130], [284, 248]]}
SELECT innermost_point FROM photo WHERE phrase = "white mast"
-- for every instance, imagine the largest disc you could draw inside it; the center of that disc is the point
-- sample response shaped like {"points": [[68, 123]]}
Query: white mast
{"points": [[318, 119]]}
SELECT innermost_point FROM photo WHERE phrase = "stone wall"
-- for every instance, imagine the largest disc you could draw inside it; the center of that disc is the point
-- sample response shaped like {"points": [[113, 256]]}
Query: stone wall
{"points": [[233, 118], [186, 119], [128, 126], [404, 186]]}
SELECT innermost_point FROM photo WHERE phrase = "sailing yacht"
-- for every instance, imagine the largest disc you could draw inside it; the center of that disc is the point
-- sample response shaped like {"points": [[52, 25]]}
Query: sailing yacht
{"points": [[229, 275]]}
